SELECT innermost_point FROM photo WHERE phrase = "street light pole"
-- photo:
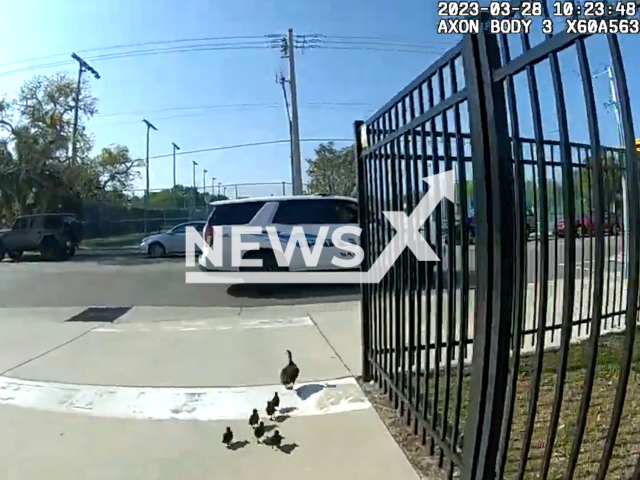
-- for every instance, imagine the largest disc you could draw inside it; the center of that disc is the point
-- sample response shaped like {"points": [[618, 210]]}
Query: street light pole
{"points": [[195, 187], [213, 185], [146, 165], [175, 147], [82, 67], [204, 184]]}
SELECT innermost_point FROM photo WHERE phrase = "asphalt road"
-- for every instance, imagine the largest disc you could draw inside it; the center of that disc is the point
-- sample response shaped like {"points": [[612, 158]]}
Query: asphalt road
{"points": [[131, 280]]}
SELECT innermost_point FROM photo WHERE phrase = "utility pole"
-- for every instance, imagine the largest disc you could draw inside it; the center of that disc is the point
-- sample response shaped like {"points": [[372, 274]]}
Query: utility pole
{"points": [[296, 168], [82, 67], [146, 166], [175, 147]]}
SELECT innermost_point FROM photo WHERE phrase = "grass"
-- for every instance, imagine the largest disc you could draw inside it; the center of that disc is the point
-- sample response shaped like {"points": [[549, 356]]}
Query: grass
{"points": [[627, 447], [130, 240]]}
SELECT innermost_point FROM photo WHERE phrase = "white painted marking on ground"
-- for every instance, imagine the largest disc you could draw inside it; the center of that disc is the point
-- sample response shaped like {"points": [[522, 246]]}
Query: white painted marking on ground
{"points": [[203, 404], [210, 324]]}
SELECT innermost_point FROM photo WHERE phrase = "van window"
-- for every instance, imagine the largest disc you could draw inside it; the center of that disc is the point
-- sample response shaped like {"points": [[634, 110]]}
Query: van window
{"points": [[234, 213], [321, 211]]}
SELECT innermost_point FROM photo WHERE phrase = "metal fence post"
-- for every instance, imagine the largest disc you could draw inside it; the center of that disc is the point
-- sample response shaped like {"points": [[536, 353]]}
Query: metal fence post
{"points": [[495, 253], [366, 262]]}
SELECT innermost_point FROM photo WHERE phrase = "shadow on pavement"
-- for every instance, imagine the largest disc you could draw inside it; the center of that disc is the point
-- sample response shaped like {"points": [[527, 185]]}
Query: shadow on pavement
{"points": [[288, 448], [238, 445], [306, 391], [287, 291]]}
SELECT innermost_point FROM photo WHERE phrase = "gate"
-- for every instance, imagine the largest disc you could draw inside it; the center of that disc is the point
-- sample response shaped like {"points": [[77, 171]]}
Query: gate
{"points": [[498, 353]]}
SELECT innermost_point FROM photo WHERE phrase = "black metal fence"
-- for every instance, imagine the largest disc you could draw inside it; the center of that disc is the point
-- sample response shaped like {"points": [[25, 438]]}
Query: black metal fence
{"points": [[513, 356]]}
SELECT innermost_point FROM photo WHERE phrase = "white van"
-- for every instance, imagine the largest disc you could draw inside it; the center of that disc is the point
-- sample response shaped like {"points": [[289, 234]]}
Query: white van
{"points": [[307, 211]]}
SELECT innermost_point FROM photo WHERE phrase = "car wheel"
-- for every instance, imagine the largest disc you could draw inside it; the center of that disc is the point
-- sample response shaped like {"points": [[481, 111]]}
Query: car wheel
{"points": [[269, 262], [50, 249], [157, 250], [3, 251], [15, 255]]}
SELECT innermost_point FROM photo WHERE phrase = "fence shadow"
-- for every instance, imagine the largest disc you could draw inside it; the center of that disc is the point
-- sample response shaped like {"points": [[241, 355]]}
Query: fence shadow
{"points": [[292, 291]]}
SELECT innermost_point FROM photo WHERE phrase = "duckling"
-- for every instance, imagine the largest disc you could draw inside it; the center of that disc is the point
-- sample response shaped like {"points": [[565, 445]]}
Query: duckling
{"points": [[227, 437], [271, 410], [289, 374], [258, 432], [254, 418], [276, 439], [275, 400]]}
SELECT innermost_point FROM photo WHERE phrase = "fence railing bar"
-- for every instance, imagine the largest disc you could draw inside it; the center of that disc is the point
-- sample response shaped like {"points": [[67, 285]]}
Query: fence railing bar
{"points": [[582, 250], [464, 251], [439, 274], [401, 291], [433, 111], [415, 326], [363, 212], [592, 243], [521, 265], [425, 424], [396, 318], [534, 389], [535, 55], [634, 244], [570, 260], [418, 81], [538, 236], [451, 297], [598, 191]]}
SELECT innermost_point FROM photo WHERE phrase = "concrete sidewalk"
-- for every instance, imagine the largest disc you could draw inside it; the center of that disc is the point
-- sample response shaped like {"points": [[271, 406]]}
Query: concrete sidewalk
{"points": [[149, 395]]}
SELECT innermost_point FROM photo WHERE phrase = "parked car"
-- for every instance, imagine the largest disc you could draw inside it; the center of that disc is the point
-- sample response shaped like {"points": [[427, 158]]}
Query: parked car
{"points": [[171, 242], [308, 211], [55, 235], [586, 225]]}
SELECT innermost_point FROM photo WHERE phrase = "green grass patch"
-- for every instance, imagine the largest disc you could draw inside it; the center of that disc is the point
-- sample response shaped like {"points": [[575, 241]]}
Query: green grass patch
{"points": [[627, 447]]}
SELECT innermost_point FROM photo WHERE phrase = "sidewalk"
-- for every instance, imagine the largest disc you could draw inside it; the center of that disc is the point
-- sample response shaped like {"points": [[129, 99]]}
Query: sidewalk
{"points": [[149, 395]]}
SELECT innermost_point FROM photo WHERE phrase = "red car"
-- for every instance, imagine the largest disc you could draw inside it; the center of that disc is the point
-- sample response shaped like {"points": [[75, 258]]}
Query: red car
{"points": [[586, 226]]}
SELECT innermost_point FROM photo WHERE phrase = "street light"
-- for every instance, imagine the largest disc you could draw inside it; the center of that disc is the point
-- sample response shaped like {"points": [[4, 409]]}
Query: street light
{"points": [[175, 147], [146, 192], [195, 188]]}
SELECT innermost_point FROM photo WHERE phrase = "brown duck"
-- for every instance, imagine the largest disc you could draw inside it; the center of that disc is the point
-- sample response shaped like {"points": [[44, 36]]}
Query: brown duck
{"points": [[289, 373]]}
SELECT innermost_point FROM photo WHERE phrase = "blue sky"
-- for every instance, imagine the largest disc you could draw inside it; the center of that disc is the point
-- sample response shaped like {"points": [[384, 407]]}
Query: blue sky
{"points": [[148, 86]]}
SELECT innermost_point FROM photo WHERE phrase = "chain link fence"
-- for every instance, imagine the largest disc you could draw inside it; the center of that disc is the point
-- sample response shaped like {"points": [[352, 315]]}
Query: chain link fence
{"points": [[124, 221]]}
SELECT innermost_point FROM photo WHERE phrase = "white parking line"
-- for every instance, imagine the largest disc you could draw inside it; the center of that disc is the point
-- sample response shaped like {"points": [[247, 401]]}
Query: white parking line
{"points": [[233, 323], [204, 404]]}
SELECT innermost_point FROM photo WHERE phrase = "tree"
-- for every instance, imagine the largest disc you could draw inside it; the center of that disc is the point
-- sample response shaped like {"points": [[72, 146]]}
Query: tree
{"points": [[332, 171], [115, 169], [36, 130], [180, 196]]}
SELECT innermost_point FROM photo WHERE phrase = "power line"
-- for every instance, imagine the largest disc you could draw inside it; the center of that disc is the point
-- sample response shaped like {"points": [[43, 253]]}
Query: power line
{"points": [[196, 48], [231, 105], [141, 44], [265, 42], [254, 144]]}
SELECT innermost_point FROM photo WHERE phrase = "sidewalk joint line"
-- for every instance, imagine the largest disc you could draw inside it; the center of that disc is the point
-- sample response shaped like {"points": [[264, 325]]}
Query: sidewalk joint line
{"points": [[51, 350], [330, 345]]}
